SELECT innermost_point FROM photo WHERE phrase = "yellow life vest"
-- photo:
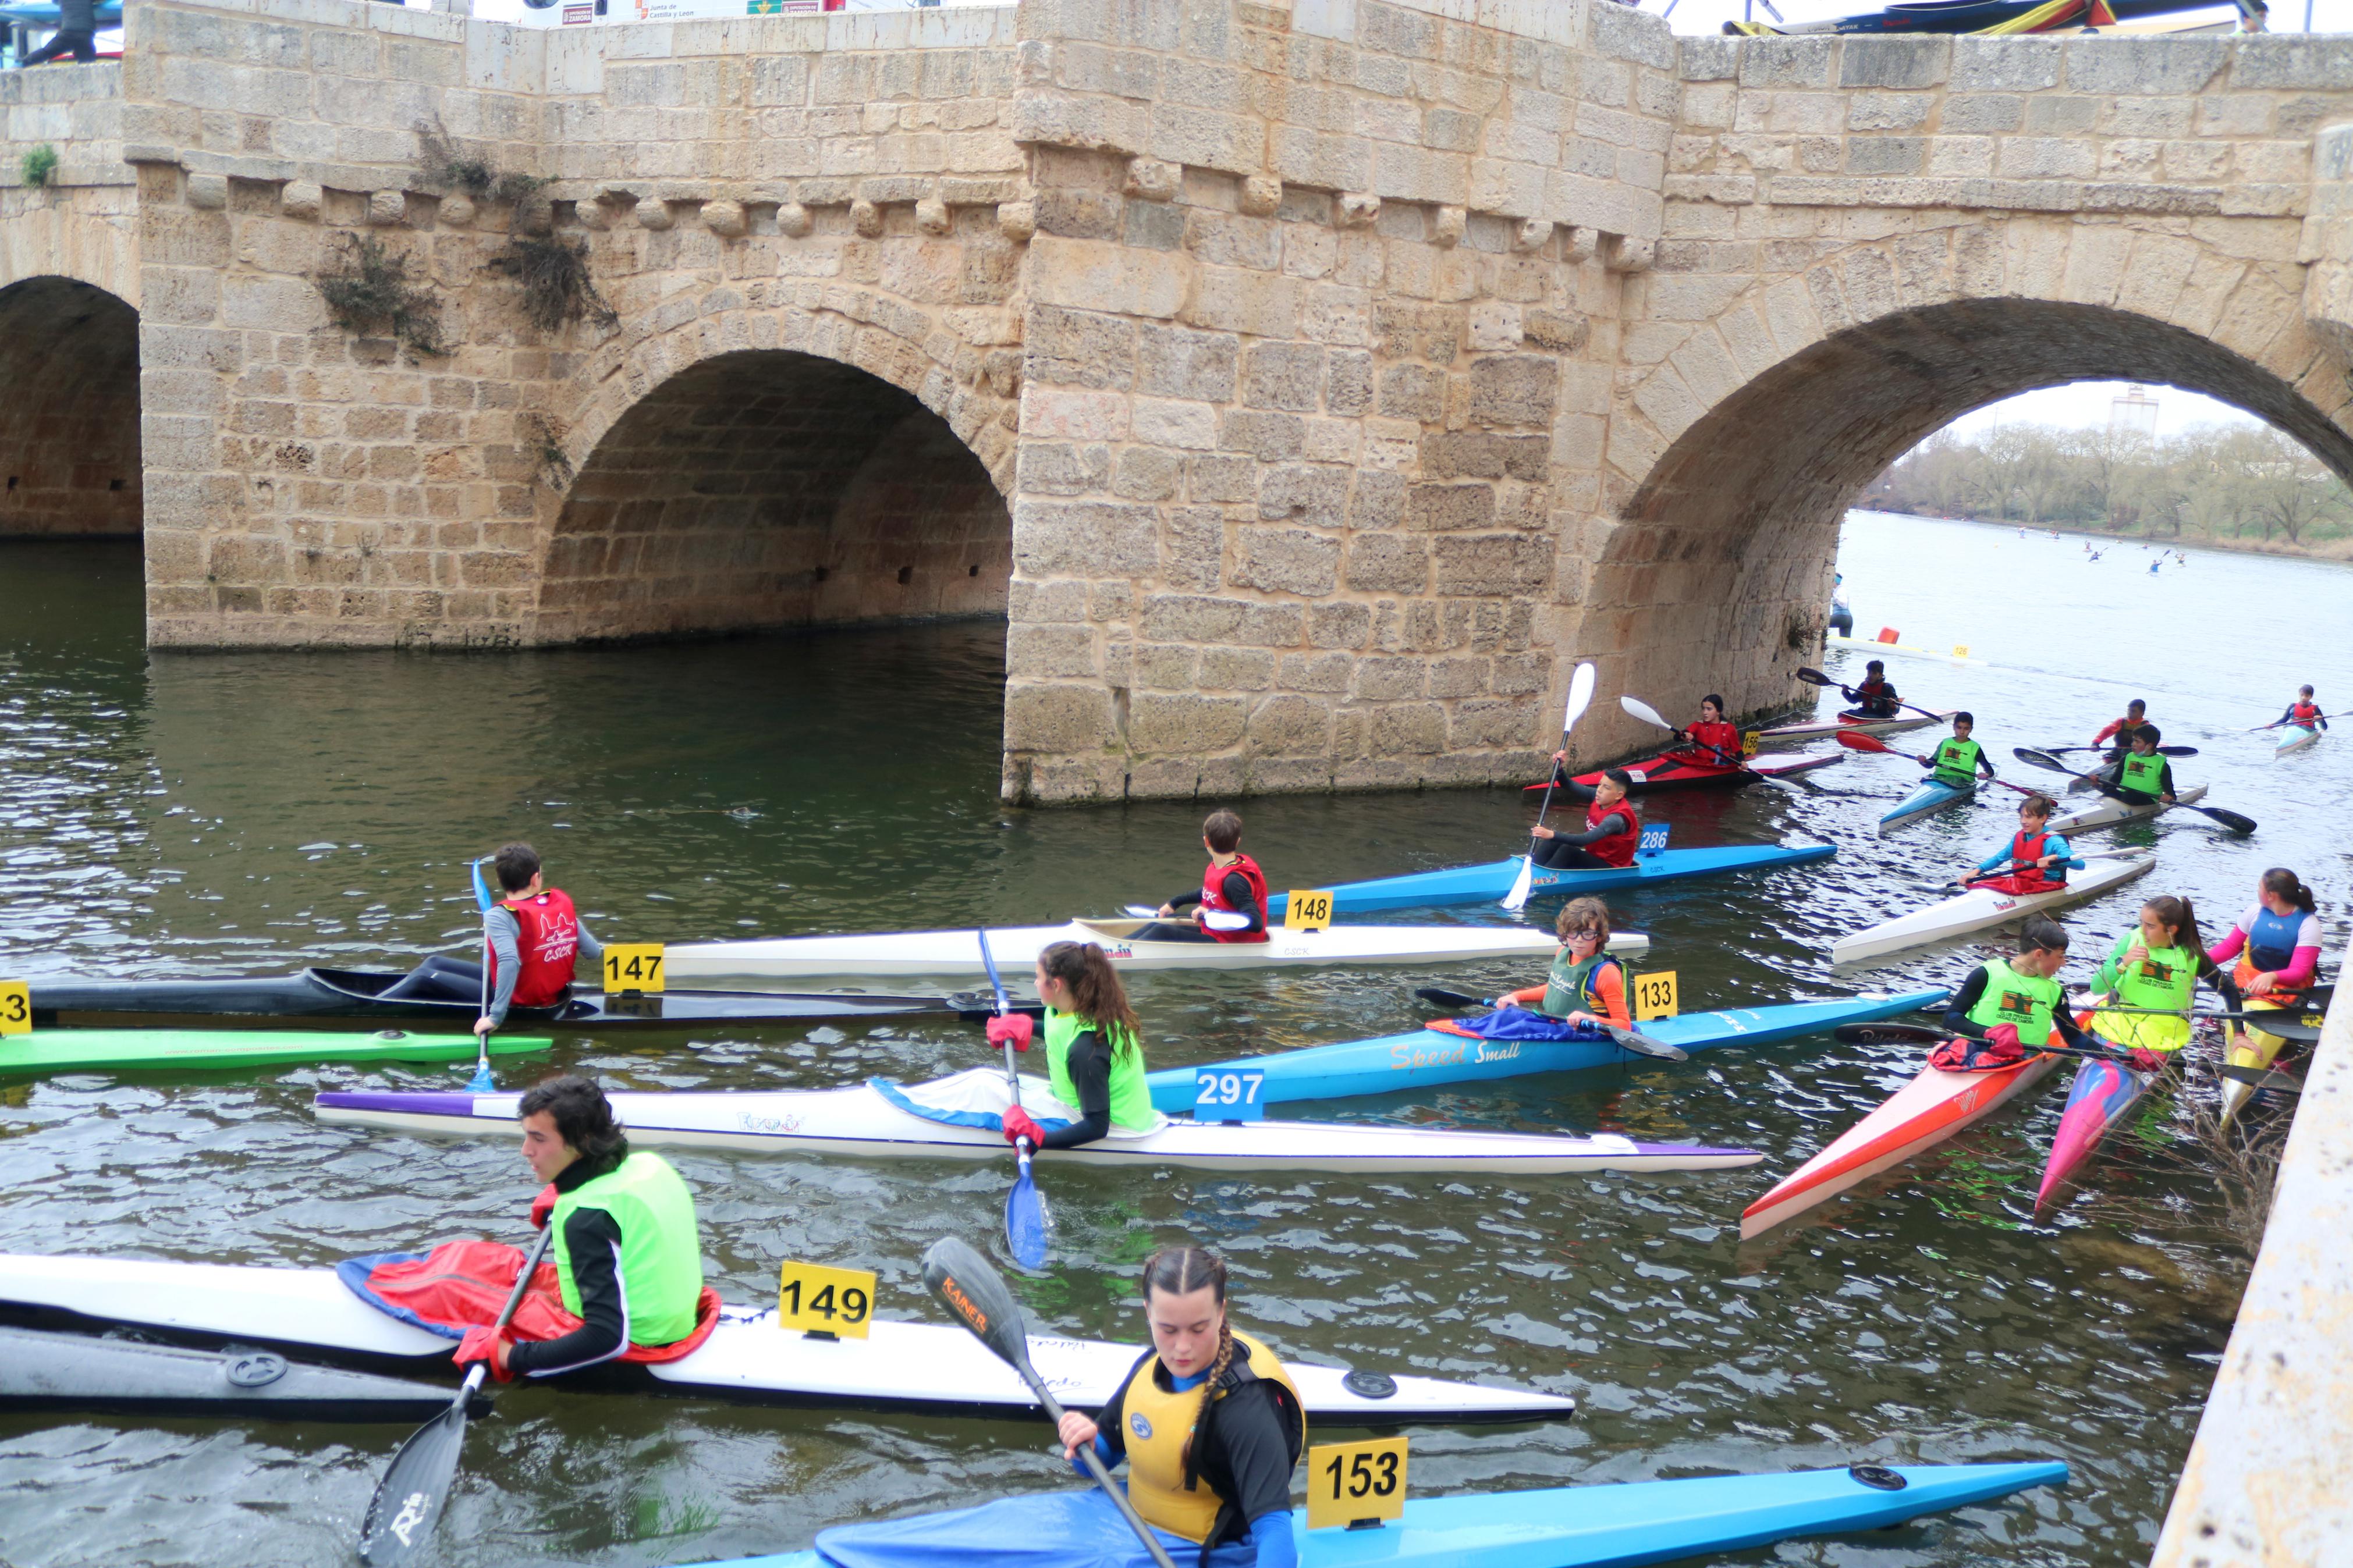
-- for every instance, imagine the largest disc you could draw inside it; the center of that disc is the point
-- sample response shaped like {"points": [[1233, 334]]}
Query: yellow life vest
{"points": [[1155, 1426]]}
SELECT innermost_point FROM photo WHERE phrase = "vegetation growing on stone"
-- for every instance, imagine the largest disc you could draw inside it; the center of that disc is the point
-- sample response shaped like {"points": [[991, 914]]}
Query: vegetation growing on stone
{"points": [[544, 443], [444, 162], [373, 297], [39, 165], [557, 287]]}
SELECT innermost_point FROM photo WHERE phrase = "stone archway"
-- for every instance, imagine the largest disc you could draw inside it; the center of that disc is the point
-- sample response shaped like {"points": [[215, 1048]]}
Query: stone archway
{"points": [[70, 433], [769, 487]]}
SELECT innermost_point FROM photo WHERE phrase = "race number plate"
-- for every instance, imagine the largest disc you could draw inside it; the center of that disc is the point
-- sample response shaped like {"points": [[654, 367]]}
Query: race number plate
{"points": [[1654, 839], [1227, 1094], [1355, 1484], [1748, 742], [1306, 908], [820, 1300], [1655, 996], [634, 967], [15, 1008]]}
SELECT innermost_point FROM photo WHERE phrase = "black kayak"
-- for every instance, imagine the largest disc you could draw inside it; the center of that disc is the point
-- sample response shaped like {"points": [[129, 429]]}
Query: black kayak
{"points": [[317, 995], [44, 1370]]}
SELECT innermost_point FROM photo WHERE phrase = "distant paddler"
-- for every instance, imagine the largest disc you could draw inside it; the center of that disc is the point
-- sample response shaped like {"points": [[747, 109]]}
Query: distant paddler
{"points": [[1586, 987], [1209, 1423], [1872, 697], [1094, 1053], [535, 939], [2303, 713], [1613, 827], [2009, 1008], [2154, 969], [1231, 905], [1957, 762], [2036, 858], [2136, 715]]}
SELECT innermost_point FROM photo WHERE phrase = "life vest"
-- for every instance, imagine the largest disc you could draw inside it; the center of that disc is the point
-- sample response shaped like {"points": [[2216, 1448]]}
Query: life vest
{"points": [[1616, 849], [1571, 987], [1131, 1096], [1876, 698], [549, 941], [1724, 738], [2305, 713], [1156, 1427], [1957, 763], [2144, 775], [2025, 848], [1213, 896], [661, 1255], [2163, 978], [2271, 947], [2024, 1002]]}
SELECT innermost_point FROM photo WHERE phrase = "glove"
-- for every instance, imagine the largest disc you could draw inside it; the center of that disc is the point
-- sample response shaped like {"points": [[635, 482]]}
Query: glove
{"points": [[542, 1206], [1012, 1028], [1020, 1128], [477, 1347], [2145, 1060]]}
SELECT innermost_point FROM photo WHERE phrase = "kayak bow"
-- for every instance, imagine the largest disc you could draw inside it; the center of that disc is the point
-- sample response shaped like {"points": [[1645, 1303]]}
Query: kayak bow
{"points": [[1667, 771], [1982, 908], [2110, 811], [1927, 796], [44, 1370], [1818, 729], [2103, 1094]]}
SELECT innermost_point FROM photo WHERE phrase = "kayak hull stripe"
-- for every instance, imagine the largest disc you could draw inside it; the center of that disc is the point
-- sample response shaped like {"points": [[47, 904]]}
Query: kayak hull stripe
{"points": [[133, 1050]]}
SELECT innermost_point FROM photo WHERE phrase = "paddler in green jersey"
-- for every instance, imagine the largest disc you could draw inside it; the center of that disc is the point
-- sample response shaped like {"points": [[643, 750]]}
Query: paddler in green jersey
{"points": [[628, 1256], [2142, 774], [2008, 1007], [1957, 764], [1094, 1056], [2156, 966]]}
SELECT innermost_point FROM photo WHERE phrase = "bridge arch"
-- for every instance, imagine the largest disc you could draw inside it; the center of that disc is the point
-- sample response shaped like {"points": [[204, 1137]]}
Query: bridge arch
{"points": [[69, 426]]}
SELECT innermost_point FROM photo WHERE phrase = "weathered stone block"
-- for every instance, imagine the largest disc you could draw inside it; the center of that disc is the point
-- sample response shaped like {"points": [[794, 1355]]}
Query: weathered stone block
{"points": [[2144, 65], [1269, 438], [1181, 617], [1916, 61], [1286, 560], [1291, 725], [1261, 195], [1236, 669], [2005, 65], [1432, 509], [1094, 274], [1084, 539], [1039, 717], [1152, 179], [1079, 348], [1173, 361], [207, 192], [1303, 493], [1283, 375], [1492, 563], [1047, 651], [794, 221], [1388, 563], [1513, 389], [726, 219], [300, 199], [1405, 729]]}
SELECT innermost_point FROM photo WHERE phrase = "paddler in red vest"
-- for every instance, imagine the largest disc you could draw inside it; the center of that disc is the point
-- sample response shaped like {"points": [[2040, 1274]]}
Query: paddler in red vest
{"points": [[2304, 713], [2120, 730], [2035, 860], [535, 939], [1232, 888], [1874, 696], [1613, 828], [1712, 742]]}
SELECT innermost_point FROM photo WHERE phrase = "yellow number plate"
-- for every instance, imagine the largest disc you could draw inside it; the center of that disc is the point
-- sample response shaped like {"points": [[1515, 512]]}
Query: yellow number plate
{"points": [[1748, 742], [634, 967], [1960, 650], [1307, 908], [1655, 996], [15, 1008], [817, 1299], [1352, 1483]]}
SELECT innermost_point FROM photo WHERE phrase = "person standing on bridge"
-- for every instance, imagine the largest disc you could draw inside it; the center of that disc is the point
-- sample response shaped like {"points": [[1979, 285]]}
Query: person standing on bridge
{"points": [[77, 34]]}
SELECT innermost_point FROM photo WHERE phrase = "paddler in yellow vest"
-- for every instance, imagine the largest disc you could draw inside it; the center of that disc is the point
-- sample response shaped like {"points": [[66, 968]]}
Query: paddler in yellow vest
{"points": [[1094, 1057], [1958, 761], [2009, 1007], [1210, 1425], [2141, 772], [2156, 966], [629, 1261]]}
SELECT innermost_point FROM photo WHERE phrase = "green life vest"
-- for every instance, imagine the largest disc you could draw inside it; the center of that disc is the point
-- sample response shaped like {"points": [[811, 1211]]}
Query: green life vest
{"points": [[1957, 763], [1569, 987], [2165, 979], [2145, 774], [2025, 1002], [661, 1255], [1131, 1096]]}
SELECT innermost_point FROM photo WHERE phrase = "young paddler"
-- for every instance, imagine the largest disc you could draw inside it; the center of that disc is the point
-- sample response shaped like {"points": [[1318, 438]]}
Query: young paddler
{"points": [[2009, 1007], [1958, 759], [2140, 772], [2156, 966], [1613, 827], [1231, 886], [1874, 696], [2136, 715], [2039, 858], [2304, 713], [2277, 941], [1712, 741], [1587, 986], [1209, 1423], [628, 1256], [535, 940], [1094, 1057]]}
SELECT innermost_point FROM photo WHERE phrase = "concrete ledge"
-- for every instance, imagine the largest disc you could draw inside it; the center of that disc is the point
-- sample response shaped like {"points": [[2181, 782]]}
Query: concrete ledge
{"points": [[2270, 1478]]}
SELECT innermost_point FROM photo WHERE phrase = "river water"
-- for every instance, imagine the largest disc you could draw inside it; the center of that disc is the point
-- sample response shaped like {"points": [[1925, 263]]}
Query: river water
{"points": [[261, 811]]}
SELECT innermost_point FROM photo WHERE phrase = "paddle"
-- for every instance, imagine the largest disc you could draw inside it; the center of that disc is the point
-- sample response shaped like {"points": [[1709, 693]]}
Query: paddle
{"points": [[1640, 1044], [2259, 1077], [2161, 751], [1024, 1210], [1216, 920], [2230, 819], [427, 1464], [482, 1082], [1580, 697], [1921, 1035], [1854, 742], [2285, 1026], [2302, 723], [1816, 678], [1649, 715], [977, 1295]]}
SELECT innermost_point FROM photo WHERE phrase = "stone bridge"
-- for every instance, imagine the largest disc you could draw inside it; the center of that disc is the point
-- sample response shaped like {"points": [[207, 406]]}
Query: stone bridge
{"points": [[1310, 382]]}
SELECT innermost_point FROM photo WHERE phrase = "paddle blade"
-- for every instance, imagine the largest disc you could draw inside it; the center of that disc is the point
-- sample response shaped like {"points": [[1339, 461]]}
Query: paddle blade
{"points": [[400, 1516], [1855, 742], [976, 1294], [1517, 898], [1438, 997], [2230, 819], [1025, 1219], [1141, 912], [2034, 759], [1814, 677], [2258, 1078], [482, 1082], [1580, 695], [1644, 711], [1643, 1046]]}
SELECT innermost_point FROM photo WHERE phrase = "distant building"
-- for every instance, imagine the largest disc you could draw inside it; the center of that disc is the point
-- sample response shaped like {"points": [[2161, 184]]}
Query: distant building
{"points": [[2133, 413]]}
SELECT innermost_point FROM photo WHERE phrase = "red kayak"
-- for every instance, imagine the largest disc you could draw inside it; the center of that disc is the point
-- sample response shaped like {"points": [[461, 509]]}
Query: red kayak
{"points": [[1668, 771]]}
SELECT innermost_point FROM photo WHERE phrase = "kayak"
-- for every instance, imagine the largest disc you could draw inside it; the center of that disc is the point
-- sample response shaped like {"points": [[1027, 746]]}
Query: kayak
{"points": [[323, 996], [2108, 811], [1666, 771], [46, 1370], [1839, 724], [2103, 1095], [1982, 908], [2259, 1048], [1603, 1526], [1015, 949], [1933, 1107], [961, 1118], [1489, 882], [1864, 645], [747, 1359], [139, 1050], [2295, 738], [1427, 1058], [1926, 796]]}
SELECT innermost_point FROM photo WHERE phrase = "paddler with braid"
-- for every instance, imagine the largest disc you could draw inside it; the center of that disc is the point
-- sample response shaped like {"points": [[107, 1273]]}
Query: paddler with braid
{"points": [[2008, 1008], [1094, 1057], [1957, 763], [2156, 966], [1209, 1423]]}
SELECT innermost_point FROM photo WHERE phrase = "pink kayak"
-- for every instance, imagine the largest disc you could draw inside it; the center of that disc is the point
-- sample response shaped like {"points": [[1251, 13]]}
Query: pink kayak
{"points": [[2104, 1095]]}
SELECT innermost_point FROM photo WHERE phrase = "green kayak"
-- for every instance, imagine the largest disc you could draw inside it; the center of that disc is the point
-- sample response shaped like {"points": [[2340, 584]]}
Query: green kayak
{"points": [[82, 1051]]}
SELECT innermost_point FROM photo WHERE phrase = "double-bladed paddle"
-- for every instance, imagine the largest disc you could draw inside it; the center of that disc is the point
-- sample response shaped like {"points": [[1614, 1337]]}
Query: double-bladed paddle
{"points": [[1640, 1044], [2275, 723], [1216, 920], [2161, 751], [2283, 1024], [1580, 698], [977, 1296], [1649, 715], [1854, 742], [2037, 759], [1816, 678], [408, 1499], [482, 1082], [1921, 1035], [1024, 1207]]}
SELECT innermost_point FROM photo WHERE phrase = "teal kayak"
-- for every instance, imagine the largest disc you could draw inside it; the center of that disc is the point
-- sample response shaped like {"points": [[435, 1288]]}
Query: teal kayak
{"points": [[144, 1050], [1485, 883], [1607, 1526], [1927, 796], [1426, 1057]]}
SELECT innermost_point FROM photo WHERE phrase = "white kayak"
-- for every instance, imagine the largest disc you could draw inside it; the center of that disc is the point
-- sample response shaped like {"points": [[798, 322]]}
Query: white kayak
{"points": [[1015, 949], [1839, 724], [1865, 645], [961, 1118], [2108, 811], [2295, 738], [1982, 908], [747, 1359]]}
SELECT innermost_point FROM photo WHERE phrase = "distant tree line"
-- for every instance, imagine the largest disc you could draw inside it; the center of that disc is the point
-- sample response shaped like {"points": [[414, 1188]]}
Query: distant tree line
{"points": [[2221, 484]]}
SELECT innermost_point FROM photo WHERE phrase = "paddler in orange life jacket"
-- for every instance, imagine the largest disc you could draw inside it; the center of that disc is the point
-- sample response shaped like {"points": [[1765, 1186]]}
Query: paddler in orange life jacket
{"points": [[2035, 860], [533, 937], [1232, 887], [1873, 697], [2120, 730], [1209, 1423], [2304, 713], [1613, 828]]}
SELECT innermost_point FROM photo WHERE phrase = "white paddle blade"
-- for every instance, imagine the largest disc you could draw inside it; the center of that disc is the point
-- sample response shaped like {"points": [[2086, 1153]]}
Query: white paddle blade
{"points": [[1226, 920], [1580, 695], [1143, 912], [1517, 898], [1643, 710]]}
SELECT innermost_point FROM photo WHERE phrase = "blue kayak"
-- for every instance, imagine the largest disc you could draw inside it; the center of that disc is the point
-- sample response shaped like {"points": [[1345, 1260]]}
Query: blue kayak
{"points": [[1926, 796], [1490, 882], [1606, 1526], [1430, 1057]]}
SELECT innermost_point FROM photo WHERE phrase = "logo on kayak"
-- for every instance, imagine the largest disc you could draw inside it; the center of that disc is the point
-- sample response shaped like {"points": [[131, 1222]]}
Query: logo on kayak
{"points": [[1139, 1425], [1117, 950], [1488, 1051], [751, 1123]]}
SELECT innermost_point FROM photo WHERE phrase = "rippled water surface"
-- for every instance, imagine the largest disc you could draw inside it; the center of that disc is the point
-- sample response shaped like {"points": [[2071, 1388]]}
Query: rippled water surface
{"points": [[260, 811]]}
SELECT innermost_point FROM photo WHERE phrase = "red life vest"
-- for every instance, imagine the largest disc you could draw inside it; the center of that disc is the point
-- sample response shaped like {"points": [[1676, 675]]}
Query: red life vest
{"points": [[549, 941], [1725, 738], [1213, 896], [2304, 712], [1618, 848], [2026, 877]]}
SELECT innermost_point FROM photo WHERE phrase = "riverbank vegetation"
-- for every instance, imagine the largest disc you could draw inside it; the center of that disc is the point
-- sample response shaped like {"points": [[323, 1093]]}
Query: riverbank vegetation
{"points": [[2230, 486]]}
